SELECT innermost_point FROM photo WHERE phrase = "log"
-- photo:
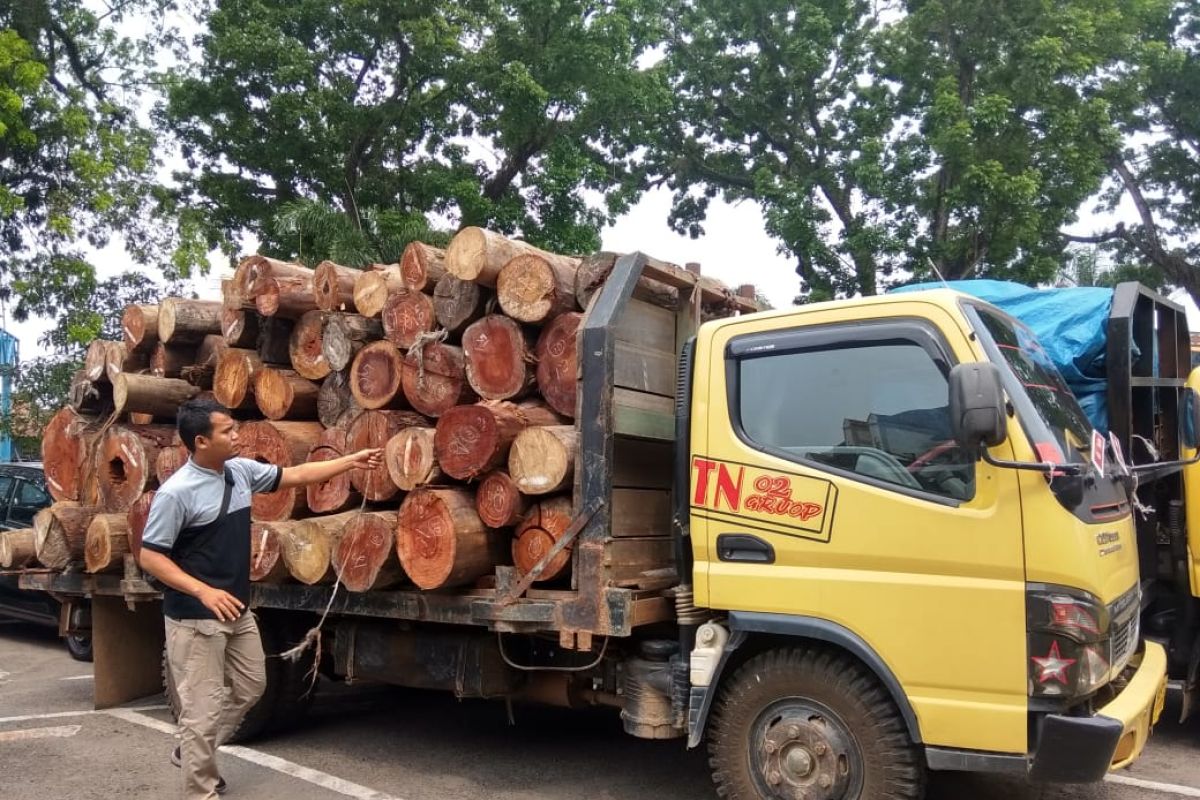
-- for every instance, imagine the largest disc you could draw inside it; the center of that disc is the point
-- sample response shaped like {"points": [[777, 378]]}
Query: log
{"points": [[106, 543], [308, 545], [183, 321], [594, 270], [478, 255], [275, 339], [499, 502], [169, 361], [434, 378], [344, 335], [290, 297], [374, 429], [499, 361], [304, 349], [231, 298], [284, 394], [373, 286], [135, 522], [375, 377], [472, 440], [285, 444], [542, 460], [61, 533], [533, 288], [441, 540], [410, 457], [458, 303], [233, 382], [240, 327], [335, 494], [557, 357], [90, 397], [422, 266], [119, 358], [537, 533], [151, 395], [169, 460], [126, 457], [333, 287], [63, 449], [139, 328], [17, 549], [365, 557], [252, 272], [335, 403], [266, 554], [406, 315], [95, 360]]}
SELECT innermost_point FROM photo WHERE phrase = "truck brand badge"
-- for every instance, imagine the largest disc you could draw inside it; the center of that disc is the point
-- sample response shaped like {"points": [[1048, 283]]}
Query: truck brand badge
{"points": [[1109, 542], [768, 500]]}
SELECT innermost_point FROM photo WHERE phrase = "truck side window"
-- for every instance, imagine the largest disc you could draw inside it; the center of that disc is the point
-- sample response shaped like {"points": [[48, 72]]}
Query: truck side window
{"points": [[877, 409]]}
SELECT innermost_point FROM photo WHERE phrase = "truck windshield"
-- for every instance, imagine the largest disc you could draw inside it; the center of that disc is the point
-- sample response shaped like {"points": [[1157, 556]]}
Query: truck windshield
{"points": [[1047, 409]]}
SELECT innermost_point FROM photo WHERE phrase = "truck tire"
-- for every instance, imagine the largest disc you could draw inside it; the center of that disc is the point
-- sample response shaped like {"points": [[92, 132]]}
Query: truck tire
{"points": [[79, 645], [801, 724]]}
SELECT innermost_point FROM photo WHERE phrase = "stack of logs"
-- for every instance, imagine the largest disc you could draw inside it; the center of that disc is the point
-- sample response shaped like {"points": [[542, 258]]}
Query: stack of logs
{"points": [[461, 363]]}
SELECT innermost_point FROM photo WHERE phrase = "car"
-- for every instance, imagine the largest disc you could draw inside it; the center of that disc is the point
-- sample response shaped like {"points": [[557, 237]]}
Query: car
{"points": [[22, 494]]}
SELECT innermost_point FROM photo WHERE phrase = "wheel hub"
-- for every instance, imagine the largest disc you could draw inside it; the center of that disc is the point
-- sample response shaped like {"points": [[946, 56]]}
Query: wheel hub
{"points": [[804, 757]]}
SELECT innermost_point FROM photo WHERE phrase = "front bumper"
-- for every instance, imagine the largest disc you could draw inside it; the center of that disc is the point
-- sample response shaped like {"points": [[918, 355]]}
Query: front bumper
{"points": [[1083, 749]]}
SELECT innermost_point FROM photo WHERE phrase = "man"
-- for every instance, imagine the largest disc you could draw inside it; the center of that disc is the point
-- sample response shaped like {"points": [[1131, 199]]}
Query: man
{"points": [[197, 542]]}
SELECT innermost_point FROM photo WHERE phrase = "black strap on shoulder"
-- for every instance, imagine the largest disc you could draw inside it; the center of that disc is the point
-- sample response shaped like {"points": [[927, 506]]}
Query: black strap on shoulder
{"points": [[225, 499]]}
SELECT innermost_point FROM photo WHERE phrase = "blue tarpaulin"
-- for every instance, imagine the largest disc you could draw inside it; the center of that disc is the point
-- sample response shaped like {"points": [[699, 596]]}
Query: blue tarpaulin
{"points": [[1071, 325]]}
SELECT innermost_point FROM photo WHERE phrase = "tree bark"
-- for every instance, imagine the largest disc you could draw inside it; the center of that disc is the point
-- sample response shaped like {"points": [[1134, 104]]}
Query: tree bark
{"points": [[169, 460], [151, 395], [478, 255], [375, 377], [106, 543], [558, 363], [498, 358], [61, 533], [594, 270], [125, 462], [542, 460], [256, 268], [308, 545], [95, 360], [333, 287], [267, 564], [440, 539], [275, 336], [233, 381], [187, 321], [458, 303], [335, 494], [240, 327], [63, 450], [374, 429], [284, 394], [88, 397], [344, 335], [410, 457], [365, 557], [538, 532], [472, 440], [335, 402], [135, 522], [119, 359], [305, 347], [499, 502], [284, 444], [373, 287], [290, 298], [17, 548], [434, 379], [533, 289], [139, 328], [422, 266], [406, 315]]}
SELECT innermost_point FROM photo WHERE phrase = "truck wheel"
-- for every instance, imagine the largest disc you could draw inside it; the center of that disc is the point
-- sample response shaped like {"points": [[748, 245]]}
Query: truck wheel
{"points": [[79, 646], [810, 725]]}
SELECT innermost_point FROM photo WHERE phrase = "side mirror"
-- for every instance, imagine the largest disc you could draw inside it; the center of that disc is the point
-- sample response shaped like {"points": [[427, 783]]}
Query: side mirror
{"points": [[1191, 418], [977, 406]]}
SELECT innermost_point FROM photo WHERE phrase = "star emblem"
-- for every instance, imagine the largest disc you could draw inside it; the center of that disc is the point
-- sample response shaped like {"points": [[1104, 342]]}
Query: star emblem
{"points": [[1053, 666]]}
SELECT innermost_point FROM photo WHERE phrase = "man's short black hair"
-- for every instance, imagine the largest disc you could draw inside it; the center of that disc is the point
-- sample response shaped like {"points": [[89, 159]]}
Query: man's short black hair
{"points": [[194, 418]]}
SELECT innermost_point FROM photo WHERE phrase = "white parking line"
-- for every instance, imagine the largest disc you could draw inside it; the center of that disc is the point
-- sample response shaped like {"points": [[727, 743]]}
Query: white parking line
{"points": [[78, 678], [1154, 786], [59, 732], [62, 714], [281, 765]]}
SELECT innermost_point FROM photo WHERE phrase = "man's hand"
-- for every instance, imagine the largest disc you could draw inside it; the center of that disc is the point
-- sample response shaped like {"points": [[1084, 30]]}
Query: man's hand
{"points": [[319, 471], [371, 458], [221, 603]]}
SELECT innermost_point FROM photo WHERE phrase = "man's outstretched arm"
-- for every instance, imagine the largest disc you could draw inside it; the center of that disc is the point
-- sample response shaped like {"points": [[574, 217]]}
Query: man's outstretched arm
{"points": [[318, 471]]}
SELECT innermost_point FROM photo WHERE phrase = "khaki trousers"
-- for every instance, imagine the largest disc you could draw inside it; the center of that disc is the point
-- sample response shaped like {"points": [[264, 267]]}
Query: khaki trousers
{"points": [[219, 673]]}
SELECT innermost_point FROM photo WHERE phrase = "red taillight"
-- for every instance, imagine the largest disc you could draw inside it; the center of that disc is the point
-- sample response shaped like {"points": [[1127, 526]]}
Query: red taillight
{"points": [[1067, 615]]}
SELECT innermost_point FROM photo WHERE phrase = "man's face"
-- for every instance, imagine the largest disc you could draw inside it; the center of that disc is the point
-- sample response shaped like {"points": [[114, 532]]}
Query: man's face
{"points": [[222, 445]]}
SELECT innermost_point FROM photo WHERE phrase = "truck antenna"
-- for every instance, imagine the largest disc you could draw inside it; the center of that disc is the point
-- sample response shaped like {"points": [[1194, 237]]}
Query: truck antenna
{"points": [[933, 267]]}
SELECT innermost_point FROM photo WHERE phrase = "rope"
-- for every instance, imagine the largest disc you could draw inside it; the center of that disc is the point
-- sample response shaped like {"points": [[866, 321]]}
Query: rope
{"points": [[417, 350]]}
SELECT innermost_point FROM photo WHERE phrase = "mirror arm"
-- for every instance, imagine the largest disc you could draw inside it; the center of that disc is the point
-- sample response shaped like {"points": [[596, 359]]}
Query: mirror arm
{"points": [[1033, 466], [1161, 469]]}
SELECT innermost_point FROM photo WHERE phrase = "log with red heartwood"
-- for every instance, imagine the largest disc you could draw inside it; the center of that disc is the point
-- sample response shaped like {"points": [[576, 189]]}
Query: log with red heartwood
{"points": [[458, 303], [240, 327], [135, 522], [594, 270], [284, 443], [535, 288], [375, 377], [252, 273], [17, 548], [441, 540], [183, 321], [148, 394], [125, 459], [335, 403], [373, 429], [406, 315], [333, 286], [434, 378], [63, 450], [288, 297], [365, 556], [169, 460], [373, 286], [304, 348], [543, 525], [411, 460], [475, 439], [106, 543], [344, 335], [139, 328], [335, 494], [61, 533], [308, 544], [499, 502], [478, 255], [558, 363], [499, 358], [285, 394], [266, 554], [233, 381], [542, 459], [422, 266]]}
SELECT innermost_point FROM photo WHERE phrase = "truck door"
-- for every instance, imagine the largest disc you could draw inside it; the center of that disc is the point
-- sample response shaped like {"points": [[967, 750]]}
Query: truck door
{"points": [[830, 488]]}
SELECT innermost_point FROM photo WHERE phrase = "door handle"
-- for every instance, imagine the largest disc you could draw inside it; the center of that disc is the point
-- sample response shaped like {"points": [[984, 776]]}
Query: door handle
{"points": [[744, 547]]}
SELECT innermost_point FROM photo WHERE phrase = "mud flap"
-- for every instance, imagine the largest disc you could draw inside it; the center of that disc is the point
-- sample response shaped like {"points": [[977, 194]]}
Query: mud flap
{"points": [[127, 642]]}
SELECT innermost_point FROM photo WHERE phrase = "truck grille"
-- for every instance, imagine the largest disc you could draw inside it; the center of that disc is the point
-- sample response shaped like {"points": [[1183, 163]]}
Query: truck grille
{"points": [[1125, 629]]}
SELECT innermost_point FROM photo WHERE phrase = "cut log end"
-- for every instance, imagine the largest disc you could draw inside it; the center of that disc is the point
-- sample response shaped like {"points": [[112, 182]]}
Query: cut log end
{"points": [[406, 316], [304, 347], [375, 376], [499, 502], [542, 459], [537, 534], [440, 539], [410, 458], [497, 358], [365, 558], [266, 555], [557, 363], [335, 494]]}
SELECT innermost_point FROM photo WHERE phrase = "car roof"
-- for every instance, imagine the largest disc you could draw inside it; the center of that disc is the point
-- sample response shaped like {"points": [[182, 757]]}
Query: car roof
{"points": [[25, 469]]}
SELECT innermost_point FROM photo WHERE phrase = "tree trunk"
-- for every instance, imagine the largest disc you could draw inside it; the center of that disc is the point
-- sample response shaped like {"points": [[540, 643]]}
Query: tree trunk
{"points": [[558, 363], [407, 315], [441, 540], [17, 549], [187, 321], [150, 395], [458, 303], [284, 444], [290, 298], [275, 335], [374, 429], [125, 462], [373, 287], [135, 522], [88, 397], [410, 458], [478, 255], [434, 379], [375, 377], [472, 440], [335, 494], [106, 543], [240, 327], [499, 502], [422, 266], [594, 271], [95, 360], [169, 460], [533, 289], [63, 451], [344, 335], [233, 381], [335, 402], [61, 533], [256, 268], [499, 362], [537, 533], [139, 327], [308, 545], [305, 347], [542, 460], [333, 286], [365, 557], [284, 394], [267, 564]]}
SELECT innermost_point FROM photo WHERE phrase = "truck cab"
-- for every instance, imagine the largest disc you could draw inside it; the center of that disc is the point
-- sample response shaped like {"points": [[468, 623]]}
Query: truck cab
{"points": [[920, 551]]}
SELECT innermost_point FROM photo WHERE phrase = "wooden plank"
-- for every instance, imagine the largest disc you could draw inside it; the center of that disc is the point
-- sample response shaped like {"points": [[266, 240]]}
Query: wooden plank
{"points": [[642, 464], [644, 415], [649, 610], [644, 369], [641, 512], [629, 561], [646, 326], [128, 647]]}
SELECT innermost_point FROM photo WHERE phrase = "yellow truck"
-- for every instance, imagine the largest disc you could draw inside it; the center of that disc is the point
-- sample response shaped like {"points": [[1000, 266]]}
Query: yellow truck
{"points": [[889, 545]]}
